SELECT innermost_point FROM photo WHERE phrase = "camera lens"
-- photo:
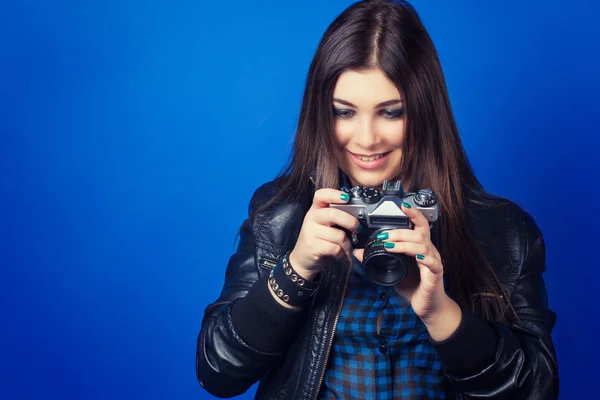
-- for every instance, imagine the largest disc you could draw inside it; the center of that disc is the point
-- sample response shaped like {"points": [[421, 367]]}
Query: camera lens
{"points": [[383, 267]]}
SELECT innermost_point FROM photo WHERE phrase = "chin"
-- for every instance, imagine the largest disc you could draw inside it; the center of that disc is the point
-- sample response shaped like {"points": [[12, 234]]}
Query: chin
{"points": [[369, 180]]}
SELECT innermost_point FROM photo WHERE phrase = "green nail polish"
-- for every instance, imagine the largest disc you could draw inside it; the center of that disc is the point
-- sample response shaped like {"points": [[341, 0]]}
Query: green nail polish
{"points": [[344, 196], [420, 256], [405, 204], [360, 228], [388, 245], [383, 236]]}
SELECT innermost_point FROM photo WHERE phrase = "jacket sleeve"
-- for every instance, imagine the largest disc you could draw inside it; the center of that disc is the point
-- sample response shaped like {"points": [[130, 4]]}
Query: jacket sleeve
{"points": [[524, 364], [245, 330]]}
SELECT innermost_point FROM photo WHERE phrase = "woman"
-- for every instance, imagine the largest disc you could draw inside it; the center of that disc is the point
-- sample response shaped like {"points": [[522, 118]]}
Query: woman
{"points": [[297, 311]]}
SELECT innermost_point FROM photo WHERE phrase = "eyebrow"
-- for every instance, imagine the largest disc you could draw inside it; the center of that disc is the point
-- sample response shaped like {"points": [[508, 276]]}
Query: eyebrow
{"points": [[382, 104]]}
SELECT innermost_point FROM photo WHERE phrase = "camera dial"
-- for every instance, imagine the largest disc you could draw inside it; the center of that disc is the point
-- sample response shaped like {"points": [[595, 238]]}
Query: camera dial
{"points": [[371, 196], [425, 198]]}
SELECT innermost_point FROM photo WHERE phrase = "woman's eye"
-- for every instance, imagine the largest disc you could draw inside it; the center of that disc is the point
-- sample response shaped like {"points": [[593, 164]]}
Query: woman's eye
{"points": [[343, 113], [392, 114]]}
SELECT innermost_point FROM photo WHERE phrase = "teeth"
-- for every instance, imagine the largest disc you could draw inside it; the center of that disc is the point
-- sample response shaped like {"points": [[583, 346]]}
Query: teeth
{"points": [[370, 158]]}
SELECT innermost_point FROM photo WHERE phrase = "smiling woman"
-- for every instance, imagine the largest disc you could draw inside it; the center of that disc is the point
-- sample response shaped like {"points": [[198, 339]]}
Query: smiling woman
{"points": [[369, 126], [298, 311]]}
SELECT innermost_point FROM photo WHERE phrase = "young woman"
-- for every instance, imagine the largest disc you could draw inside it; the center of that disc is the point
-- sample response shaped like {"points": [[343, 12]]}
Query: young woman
{"points": [[297, 311]]}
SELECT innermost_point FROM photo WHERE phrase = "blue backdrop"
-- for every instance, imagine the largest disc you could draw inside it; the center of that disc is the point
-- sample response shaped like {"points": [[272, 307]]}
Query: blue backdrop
{"points": [[134, 133]]}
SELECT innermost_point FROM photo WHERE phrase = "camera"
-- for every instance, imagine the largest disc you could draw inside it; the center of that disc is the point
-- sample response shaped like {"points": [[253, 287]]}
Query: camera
{"points": [[378, 211]]}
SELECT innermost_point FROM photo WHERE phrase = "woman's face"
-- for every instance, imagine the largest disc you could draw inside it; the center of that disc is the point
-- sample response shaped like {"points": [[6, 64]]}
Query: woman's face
{"points": [[369, 126]]}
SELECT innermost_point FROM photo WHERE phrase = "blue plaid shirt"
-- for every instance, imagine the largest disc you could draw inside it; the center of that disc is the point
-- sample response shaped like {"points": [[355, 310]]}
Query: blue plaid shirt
{"points": [[397, 363]]}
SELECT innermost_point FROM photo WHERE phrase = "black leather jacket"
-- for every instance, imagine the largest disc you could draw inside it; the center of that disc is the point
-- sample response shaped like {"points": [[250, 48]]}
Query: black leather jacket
{"points": [[525, 363]]}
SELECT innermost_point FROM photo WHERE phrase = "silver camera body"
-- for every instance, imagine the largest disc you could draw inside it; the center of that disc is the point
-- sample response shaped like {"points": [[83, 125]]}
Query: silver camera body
{"points": [[379, 211]]}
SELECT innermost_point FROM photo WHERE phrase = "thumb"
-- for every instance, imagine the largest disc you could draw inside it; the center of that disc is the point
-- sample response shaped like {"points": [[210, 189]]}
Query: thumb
{"points": [[358, 253]]}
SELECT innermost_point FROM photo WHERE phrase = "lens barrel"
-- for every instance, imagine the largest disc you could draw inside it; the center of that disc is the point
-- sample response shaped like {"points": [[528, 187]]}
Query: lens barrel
{"points": [[381, 266]]}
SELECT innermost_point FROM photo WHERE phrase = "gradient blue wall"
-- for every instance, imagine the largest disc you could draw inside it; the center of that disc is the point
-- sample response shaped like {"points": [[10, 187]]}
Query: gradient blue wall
{"points": [[132, 135]]}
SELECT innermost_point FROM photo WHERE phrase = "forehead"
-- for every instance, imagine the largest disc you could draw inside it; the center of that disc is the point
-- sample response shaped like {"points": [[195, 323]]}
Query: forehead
{"points": [[365, 87]]}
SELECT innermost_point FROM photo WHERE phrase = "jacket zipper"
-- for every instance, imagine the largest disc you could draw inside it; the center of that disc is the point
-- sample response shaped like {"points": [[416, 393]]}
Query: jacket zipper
{"points": [[268, 263], [337, 317]]}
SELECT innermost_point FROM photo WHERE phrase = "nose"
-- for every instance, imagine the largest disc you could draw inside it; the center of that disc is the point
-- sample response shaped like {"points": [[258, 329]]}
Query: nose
{"points": [[366, 135]]}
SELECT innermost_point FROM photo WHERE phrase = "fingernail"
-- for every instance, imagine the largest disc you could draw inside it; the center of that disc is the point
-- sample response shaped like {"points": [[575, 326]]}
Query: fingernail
{"points": [[383, 236], [388, 245], [405, 204], [360, 228], [420, 256], [344, 196]]}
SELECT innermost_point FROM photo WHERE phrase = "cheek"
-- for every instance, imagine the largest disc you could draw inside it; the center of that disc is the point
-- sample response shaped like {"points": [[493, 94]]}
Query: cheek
{"points": [[392, 132], [343, 132]]}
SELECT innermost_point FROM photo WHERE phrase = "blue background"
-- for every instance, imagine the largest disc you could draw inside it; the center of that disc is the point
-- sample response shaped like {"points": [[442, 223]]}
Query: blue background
{"points": [[133, 134]]}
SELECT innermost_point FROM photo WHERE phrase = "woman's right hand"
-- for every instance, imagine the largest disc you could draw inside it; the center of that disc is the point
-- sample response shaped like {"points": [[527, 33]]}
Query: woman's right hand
{"points": [[319, 238]]}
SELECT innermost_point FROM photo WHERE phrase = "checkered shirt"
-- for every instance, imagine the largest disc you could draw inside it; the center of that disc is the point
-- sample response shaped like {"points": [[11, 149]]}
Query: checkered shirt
{"points": [[397, 363]]}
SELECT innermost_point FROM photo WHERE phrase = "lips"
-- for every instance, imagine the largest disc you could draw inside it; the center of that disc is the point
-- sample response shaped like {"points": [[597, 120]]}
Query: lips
{"points": [[372, 162]]}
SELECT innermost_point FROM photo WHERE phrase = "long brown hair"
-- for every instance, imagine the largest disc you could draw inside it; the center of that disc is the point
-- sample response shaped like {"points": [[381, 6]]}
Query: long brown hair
{"points": [[390, 36]]}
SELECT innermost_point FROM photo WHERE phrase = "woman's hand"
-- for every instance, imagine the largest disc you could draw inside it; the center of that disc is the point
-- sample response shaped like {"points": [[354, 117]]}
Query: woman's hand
{"points": [[424, 290], [319, 238]]}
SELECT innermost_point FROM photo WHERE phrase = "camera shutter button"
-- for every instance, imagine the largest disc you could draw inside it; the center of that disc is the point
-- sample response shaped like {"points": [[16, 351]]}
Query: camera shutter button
{"points": [[356, 192]]}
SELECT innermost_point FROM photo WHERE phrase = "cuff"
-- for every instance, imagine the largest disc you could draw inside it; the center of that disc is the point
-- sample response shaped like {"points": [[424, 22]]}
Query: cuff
{"points": [[471, 348], [261, 321]]}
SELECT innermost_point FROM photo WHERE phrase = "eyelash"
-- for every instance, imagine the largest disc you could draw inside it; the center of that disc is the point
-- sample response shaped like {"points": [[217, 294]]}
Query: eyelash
{"points": [[348, 113]]}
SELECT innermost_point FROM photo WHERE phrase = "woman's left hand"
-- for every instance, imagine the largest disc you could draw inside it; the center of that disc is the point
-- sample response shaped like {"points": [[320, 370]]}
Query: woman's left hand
{"points": [[426, 295]]}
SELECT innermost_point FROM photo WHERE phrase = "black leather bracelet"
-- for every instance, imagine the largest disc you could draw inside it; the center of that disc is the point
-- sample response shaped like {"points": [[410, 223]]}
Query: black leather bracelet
{"points": [[288, 285]]}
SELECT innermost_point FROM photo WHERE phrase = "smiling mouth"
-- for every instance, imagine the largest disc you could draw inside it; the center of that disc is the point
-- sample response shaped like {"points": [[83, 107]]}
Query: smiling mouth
{"points": [[370, 158]]}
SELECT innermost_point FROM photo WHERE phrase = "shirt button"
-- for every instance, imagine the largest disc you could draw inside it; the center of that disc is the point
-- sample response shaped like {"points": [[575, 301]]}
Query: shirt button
{"points": [[383, 349], [382, 295]]}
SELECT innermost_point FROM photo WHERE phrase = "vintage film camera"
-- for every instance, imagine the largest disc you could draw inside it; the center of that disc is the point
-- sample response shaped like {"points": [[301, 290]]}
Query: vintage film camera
{"points": [[378, 211]]}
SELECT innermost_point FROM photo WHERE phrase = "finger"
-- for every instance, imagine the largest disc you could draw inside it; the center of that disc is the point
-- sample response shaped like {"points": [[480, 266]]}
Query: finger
{"points": [[343, 251], [418, 219], [326, 196], [423, 254], [325, 236], [432, 263], [323, 248], [332, 235], [333, 216], [327, 233], [408, 248], [409, 235], [403, 235], [359, 254]]}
